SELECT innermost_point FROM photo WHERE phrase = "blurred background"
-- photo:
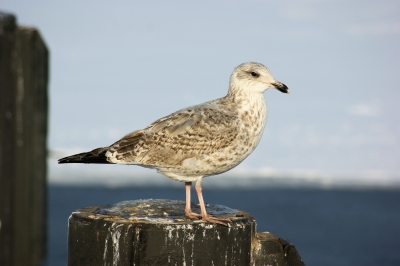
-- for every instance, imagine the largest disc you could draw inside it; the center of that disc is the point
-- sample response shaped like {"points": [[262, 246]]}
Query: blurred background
{"points": [[116, 66]]}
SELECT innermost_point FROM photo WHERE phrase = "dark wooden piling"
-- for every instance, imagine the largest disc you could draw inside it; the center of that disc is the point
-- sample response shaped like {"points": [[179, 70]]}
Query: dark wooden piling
{"points": [[267, 249], [23, 152], [156, 232]]}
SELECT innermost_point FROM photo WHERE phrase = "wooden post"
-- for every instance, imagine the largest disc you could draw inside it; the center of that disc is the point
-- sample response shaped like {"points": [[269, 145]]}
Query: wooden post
{"points": [[156, 232], [23, 152]]}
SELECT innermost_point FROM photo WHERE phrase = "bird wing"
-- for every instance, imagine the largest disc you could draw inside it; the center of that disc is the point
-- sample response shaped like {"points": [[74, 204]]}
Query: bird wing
{"points": [[191, 132]]}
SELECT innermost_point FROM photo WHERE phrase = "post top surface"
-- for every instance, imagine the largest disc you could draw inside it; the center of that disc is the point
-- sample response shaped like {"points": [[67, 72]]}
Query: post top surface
{"points": [[157, 211]]}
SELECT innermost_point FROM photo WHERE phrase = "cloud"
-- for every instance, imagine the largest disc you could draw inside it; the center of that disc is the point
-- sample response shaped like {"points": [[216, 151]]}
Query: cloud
{"points": [[307, 10], [364, 109], [357, 18], [378, 28]]}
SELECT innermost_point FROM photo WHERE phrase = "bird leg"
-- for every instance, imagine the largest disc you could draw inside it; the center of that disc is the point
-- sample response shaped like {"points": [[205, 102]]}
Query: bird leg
{"points": [[204, 215], [188, 210]]}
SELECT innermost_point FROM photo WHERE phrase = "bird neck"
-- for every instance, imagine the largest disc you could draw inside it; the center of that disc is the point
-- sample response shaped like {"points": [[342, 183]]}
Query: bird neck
{"points": [[251, 110], [245, 100]]}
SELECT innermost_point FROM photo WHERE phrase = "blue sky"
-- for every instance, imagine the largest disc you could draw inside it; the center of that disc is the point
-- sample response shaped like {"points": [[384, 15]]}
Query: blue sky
{"points": [[116, 66]]}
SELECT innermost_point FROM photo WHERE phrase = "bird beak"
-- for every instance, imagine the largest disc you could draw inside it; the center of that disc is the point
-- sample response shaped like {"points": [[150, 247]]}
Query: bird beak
{"points": [[281, 87]]}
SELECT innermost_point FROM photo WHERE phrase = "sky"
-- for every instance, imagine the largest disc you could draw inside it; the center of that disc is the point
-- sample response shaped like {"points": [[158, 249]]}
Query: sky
{"points": [[116, 66]]}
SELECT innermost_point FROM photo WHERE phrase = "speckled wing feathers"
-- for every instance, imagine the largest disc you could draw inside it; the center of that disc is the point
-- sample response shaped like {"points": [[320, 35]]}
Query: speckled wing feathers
{"points": [[188, 133]]}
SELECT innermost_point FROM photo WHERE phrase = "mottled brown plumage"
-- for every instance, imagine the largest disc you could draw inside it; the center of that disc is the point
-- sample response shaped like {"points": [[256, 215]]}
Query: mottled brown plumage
{"points": [[201, 140]]}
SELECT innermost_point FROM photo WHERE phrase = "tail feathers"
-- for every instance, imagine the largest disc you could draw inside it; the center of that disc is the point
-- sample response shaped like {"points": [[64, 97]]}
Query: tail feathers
{"points": [[94, 156]]}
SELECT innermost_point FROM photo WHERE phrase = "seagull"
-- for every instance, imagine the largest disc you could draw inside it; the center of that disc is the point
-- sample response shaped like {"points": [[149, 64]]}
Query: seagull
{"points": [[198, 141]]}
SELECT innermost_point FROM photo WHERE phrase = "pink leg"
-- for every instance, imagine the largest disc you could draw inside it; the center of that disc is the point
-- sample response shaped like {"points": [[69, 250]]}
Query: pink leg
{"points": [[188, 210], [204, 215]]}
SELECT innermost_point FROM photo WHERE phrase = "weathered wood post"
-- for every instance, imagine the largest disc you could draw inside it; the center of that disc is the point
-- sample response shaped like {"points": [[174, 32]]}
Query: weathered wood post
{"points": [[23, 152], [156, 232]]}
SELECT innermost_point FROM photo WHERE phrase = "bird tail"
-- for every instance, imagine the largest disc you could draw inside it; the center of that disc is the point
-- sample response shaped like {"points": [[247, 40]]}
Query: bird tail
{"points": [[94, 156]]}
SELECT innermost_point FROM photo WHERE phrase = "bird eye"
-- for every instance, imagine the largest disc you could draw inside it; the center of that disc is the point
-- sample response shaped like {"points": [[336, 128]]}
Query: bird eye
{"points": [[254, 74]]}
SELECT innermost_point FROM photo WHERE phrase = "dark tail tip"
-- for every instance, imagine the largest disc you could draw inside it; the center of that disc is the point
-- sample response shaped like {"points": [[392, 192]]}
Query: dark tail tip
{"points": [[95, 156]]}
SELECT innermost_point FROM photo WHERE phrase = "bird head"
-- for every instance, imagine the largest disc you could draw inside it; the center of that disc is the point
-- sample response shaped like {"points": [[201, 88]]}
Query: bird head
{"points": [[254, 77]]}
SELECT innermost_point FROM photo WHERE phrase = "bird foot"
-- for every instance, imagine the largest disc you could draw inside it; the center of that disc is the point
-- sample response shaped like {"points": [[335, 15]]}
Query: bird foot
{"points": [[214, 220], [192, 215], [208, 218]]}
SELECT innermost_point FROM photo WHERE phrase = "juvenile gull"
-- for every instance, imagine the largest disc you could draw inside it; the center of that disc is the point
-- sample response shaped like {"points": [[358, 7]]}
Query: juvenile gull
{"points": [[201, 140]]}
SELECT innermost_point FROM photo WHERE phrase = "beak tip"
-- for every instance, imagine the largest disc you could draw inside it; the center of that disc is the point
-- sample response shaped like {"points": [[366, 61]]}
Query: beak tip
{"points": [[282, 87]]}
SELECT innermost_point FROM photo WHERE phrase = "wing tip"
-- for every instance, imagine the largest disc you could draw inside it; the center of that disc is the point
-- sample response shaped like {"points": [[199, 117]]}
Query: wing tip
{"points": [[96, 156]]}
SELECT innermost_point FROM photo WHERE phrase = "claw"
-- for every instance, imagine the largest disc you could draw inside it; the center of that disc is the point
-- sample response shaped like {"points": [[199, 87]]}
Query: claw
{"points": [[212, 219]]}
